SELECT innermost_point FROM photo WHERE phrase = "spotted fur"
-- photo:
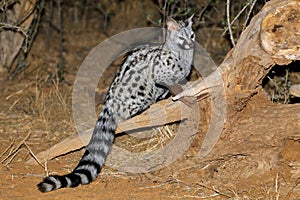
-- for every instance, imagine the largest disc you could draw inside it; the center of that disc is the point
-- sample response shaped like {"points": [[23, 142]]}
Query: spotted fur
{"points": [[143, 78]]}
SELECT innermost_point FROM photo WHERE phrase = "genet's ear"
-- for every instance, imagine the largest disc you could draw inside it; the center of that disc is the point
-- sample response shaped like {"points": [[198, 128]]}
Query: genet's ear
{"points": [[172, 25], [190, 21]]}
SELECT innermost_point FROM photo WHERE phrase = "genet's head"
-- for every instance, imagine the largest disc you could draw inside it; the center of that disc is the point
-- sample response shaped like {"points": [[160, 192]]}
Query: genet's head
{"points": [[181, 34]]}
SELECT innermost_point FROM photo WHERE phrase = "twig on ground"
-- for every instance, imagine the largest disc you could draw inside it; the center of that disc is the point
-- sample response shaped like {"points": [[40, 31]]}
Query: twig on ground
{"points": [[195, 197], [15, 151], [6, 150], [214, 190], [14, 103], [46, 168], [14, 93], [12, 156], [277, 187], [33, 155]]}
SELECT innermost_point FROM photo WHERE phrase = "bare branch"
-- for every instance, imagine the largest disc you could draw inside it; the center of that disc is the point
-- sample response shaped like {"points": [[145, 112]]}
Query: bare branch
{"points": [[15, 28], [229, 23]]}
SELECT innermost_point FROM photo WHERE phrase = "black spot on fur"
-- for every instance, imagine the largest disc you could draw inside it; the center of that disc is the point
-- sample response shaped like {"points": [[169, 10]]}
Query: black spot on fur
{"points": [[102, 120], [105, 110], [103, 128], [168, 62], [128, 79], [132, 72], [141, 94], [142, 87]]}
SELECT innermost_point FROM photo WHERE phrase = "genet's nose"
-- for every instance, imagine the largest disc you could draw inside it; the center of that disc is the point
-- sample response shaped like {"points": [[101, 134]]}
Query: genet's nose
{"points": [[188, 44]]}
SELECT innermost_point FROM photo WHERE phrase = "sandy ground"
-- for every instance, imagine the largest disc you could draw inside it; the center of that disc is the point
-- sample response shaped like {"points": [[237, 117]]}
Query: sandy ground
{"points": [[36, 113]]}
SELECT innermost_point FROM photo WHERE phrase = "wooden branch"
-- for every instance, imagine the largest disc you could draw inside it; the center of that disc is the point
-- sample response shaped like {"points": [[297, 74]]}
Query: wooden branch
{"points": [[272, 37], [295, 90], [161, 113], [211, 84]]}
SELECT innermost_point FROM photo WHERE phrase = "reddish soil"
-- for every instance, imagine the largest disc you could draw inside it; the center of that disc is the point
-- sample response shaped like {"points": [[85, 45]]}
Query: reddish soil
{"points": [[36, 105]]}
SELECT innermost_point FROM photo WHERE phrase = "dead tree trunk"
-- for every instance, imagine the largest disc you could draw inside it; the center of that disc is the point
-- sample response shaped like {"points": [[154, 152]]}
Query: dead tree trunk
{"points": [[15, 21], [254, 126]]}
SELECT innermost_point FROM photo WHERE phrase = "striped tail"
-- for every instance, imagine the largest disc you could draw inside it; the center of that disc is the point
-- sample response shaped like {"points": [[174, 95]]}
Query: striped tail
{"points": [[93, 159]]}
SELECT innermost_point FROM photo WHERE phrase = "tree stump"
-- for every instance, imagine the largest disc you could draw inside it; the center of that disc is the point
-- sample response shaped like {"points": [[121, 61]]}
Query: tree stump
{"points": [[255, 126]]}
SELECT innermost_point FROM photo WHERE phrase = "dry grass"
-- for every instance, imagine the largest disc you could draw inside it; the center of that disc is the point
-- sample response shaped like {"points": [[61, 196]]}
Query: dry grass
{"points": [[148, 140], [277, 84]]}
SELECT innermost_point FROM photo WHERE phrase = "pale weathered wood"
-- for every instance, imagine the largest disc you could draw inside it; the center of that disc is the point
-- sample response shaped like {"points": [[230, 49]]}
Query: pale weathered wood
{"points": [[163, 112], [256, 127], [295, 90]]}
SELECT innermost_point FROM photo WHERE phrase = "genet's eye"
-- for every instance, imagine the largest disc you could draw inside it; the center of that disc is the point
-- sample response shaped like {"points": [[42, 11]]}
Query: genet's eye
{"points": [[182, 38], [193, 36]]}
